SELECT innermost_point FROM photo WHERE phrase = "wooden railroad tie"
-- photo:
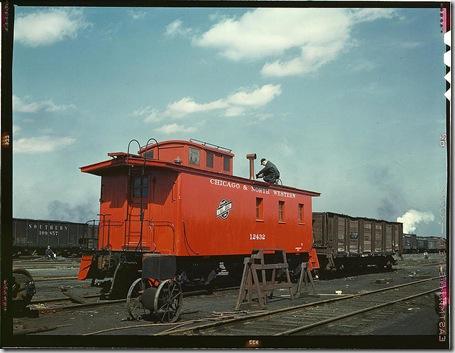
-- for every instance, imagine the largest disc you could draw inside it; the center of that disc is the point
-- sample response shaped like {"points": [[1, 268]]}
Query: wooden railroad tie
{"points": [[251, 283]]}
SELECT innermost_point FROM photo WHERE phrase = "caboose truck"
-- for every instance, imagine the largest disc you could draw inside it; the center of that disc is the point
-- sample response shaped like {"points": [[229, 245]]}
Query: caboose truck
{"points": [[174, 214]]}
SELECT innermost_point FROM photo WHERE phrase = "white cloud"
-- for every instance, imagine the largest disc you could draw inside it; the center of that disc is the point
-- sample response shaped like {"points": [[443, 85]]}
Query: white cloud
{"points": [[368, 15], [233, 105], [174, 128], [24, 106], [319, 35], [259, 118], [256, 98], [412, 217], [187, 106], [16, 129], [136, 15], [41, 144], [148, 114], [177, 28], [311, 59], [48, 27]]}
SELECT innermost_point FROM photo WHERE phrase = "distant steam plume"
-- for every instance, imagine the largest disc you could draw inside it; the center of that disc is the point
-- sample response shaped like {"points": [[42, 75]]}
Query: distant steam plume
{"points": [[63, 211], [385, 180], [412, 217], [388, 209]]}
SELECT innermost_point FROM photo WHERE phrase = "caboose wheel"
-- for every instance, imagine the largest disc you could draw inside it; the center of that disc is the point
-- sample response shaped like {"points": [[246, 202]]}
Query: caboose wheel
{"points": [[168, 301], [133, 300]]}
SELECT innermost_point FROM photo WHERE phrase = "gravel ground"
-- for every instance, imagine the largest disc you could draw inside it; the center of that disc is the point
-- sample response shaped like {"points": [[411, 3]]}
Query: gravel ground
{"points": [[417, 317]]}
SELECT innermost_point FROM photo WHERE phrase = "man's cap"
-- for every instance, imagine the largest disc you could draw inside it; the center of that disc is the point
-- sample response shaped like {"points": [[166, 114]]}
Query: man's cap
{"points": [[263, 159]]}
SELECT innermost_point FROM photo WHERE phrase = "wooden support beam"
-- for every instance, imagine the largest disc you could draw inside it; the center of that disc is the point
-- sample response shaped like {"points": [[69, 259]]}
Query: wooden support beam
{"points": [[253, 287]]}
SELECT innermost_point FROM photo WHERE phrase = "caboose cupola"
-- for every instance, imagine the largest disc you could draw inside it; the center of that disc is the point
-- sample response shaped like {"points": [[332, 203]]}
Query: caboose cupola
{"points": [[193, 153]]}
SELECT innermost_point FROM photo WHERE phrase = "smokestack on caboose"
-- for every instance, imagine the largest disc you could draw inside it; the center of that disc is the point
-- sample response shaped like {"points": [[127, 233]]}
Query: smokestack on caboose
{"points": [[251, 157]]}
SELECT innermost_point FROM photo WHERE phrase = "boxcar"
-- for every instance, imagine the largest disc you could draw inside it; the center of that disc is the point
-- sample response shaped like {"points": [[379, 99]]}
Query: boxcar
{"points": [[442, 245], [430, 244], [422, 244], [31, 235], [433, 244], [409, 243], [436, 244], [343, 241]]}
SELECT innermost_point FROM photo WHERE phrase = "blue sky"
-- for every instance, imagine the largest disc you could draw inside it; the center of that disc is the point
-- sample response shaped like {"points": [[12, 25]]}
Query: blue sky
{"points": [[346, 102]]}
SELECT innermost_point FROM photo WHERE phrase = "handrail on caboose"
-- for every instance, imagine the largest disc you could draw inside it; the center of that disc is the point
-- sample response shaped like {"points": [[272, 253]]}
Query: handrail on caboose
{"points": [[154, 223], [129, 144], [157, 147], [129, 186], [210, 144]]}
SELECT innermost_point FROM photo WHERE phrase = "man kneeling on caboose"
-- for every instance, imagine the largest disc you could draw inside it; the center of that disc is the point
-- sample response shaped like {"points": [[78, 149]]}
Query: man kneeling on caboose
{"points": [[270, 172]]}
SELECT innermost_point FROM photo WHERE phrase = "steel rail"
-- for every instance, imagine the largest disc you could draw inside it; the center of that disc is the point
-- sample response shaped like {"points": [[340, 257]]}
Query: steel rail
{"points": [[46, 279], [120, 328], [44, 261], [107, 302], [83, 305], [63, 299], [357, 312], [292, 308]]}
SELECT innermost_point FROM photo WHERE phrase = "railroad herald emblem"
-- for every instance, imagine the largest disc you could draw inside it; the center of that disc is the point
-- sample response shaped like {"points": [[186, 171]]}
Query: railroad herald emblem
{"points": [[223, 209]]}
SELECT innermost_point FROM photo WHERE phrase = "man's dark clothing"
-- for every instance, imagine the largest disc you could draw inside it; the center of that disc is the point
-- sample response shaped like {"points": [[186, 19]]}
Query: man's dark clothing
{"points": [[270, 173], [49, 253]]}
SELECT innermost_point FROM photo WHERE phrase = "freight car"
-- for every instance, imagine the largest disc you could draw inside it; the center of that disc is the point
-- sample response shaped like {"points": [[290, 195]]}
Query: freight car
{"points": [[435, 244], [174, 214], [431, 244], [441, 244], [409, 244], [346, 242], [64, 238], [422, 244]]}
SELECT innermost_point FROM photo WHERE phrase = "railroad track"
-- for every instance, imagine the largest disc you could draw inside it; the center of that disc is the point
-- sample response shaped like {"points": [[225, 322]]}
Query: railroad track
{"points": [[73, 306], [49, 263], [57, 300], [48, 279], [296, 319], [48, 267]]}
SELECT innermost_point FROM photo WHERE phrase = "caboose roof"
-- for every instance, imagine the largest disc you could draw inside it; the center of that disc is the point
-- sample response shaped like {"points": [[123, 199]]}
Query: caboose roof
{"points": [[121, 160]]}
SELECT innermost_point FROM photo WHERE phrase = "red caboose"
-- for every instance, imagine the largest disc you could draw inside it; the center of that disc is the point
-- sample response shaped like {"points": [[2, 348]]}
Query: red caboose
{"points": [[175, 207]]}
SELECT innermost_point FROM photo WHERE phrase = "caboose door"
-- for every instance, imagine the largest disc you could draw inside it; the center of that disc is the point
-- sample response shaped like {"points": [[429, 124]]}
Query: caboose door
{"points": [[137, 230], [163, 211]]}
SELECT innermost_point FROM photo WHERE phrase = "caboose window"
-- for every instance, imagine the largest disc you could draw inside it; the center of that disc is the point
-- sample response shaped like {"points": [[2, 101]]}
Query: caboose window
{"points": [[209, 163], [148, 154], [300, 211], [194, 156], [259, 209], [137, 186], [281, 211], [226, 163]]}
